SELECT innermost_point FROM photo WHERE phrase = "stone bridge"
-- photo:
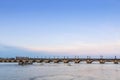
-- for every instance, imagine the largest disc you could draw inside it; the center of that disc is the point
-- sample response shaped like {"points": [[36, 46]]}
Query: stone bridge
{"points": [[88, 60]]}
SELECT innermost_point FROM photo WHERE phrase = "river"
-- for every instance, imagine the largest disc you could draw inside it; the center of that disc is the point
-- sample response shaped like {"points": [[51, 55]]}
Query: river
{"points": [[51, 71]]}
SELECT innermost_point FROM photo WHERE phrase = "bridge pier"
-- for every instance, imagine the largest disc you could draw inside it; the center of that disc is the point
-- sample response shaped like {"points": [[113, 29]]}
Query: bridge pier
{"points": [[0, 60], [66, 61], [115, 61], [77, 61], [56, 61], [88, 61], [47, 61], [102, 61], [12, 61]]}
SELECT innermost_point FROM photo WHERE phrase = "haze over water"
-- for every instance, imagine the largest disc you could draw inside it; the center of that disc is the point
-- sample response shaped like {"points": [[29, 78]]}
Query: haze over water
{"points": [[44, 71]]}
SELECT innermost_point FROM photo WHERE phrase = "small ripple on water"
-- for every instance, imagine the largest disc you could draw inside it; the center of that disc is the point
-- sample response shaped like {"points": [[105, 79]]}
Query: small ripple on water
{"points": [[60, 72], [53, 77]]}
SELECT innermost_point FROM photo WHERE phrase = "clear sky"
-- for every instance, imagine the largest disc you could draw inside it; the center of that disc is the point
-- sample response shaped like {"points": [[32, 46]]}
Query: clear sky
{"points": [[61, 26]]}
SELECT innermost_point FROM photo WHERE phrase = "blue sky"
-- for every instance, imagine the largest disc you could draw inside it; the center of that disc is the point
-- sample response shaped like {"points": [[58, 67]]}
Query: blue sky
{"points": [[61, 26]]}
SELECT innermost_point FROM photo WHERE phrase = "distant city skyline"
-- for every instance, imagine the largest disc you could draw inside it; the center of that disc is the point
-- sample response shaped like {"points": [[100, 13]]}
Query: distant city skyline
{"points": [[62, 27]]}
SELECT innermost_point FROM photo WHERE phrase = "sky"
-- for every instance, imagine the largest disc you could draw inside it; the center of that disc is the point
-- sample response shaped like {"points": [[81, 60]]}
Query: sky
{"points": [[76, 27]]}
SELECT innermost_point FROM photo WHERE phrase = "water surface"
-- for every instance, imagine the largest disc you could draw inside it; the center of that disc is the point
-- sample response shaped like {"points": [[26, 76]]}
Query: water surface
{"points": [[46, 71]]}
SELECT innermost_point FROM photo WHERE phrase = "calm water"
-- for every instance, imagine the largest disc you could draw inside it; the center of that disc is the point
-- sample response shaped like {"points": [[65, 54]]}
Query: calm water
{"points": [[43, 71]]}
